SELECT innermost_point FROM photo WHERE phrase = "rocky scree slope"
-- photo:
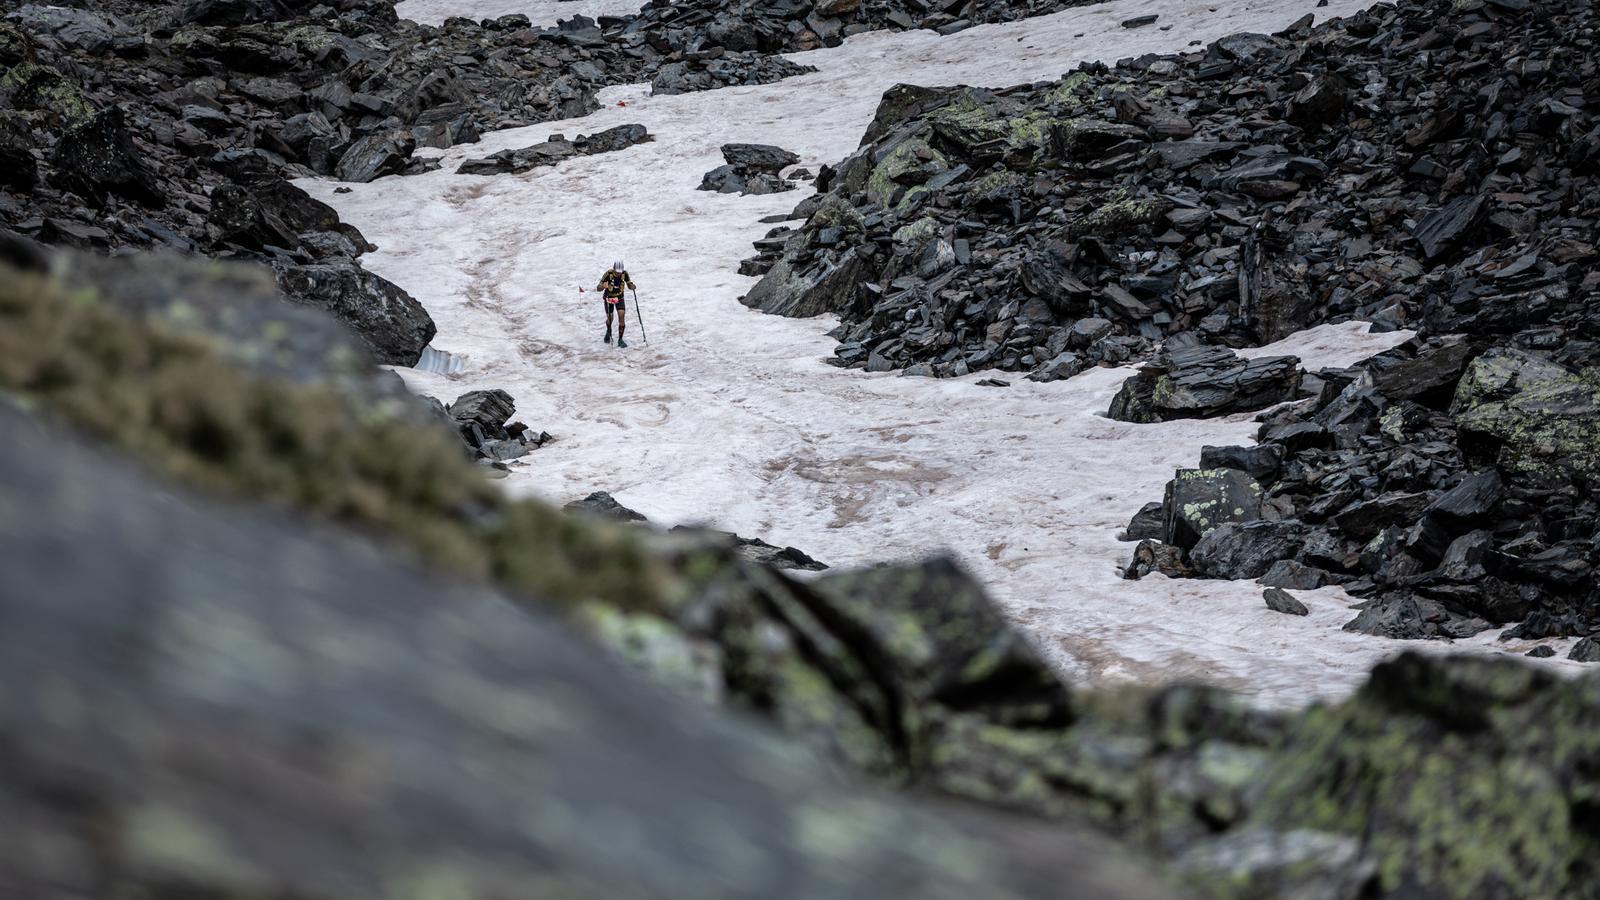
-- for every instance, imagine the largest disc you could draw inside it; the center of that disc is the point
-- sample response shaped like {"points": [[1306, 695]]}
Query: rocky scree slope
{"points": [[1427, 165], [1441, 777], [179, 127], [135, 125], [1450, 482]]}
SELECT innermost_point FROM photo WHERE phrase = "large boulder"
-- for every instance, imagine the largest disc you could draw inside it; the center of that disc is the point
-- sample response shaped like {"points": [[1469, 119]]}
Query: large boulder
{"points": [[750, 169], [389, 321], [1203, 381], [1248, 550], [235, 308], [803, 288], [375, 156], [1533, 417], [1433, 369], [274, 213], [759, 157], [1198, 501]]}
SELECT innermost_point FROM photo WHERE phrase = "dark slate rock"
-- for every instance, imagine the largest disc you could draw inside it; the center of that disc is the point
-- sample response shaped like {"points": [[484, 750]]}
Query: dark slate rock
{"points": [[1148, 523], [1586, 650], [556, 150], [1543, 651], [1362, 521], [1248, 550], [99, 158], [808, 289], [76, 29], [1321, 102], [1414, 618], [1187, 153], [481, 415], [1200, 382], [1279, 600], [1261, 462], [375, 156], [1270, 170], [1434, 369], [605, 506], [758, 157], [1449, 226], [391, 322], [1469, 501], [1198, 501], [1297, 436], [1294, 575]]}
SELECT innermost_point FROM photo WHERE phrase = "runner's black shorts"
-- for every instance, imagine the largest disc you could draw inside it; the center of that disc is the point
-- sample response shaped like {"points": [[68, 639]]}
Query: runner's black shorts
{"points": [[621, 303]]}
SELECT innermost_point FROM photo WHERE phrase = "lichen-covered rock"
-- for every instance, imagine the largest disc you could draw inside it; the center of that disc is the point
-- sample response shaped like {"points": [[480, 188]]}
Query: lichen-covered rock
{"points": [[1543, 419], [1467, 777], [236, 309], [1198, 501]]}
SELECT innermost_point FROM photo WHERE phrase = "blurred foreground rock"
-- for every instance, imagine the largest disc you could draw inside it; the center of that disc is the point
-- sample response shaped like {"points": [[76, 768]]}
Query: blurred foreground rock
{"points": [[199, 699], [223, 703]]}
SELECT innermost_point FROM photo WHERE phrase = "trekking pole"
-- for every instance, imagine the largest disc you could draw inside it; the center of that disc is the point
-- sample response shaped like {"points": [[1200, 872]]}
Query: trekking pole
{"points": [[640, 316]]}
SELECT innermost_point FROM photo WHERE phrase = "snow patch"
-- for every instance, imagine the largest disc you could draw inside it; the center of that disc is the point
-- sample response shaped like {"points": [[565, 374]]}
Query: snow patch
{"points": [[732, 417]]}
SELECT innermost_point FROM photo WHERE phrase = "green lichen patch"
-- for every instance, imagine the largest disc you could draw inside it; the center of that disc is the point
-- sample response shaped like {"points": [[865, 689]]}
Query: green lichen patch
{"points": [[43, 90]]}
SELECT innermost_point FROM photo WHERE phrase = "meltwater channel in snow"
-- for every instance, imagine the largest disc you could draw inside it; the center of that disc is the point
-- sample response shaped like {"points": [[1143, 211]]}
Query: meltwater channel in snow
{"points": [[730, 417]]}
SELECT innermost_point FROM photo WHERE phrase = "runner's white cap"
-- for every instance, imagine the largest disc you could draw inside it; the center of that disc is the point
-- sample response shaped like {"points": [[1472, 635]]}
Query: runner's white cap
{"points": [[619, 266]]}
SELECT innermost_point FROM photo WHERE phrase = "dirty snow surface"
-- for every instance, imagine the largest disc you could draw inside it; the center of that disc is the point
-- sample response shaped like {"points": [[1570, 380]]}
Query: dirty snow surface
{"points": [[731, 418]]}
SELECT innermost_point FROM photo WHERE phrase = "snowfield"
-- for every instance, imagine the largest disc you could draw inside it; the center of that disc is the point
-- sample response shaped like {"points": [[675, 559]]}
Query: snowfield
{"points": [[730, 417]]}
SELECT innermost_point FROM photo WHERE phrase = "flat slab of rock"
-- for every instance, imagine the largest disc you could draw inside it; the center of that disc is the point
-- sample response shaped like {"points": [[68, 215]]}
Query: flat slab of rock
{"points": [[555, 150], [1202, 382]]}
